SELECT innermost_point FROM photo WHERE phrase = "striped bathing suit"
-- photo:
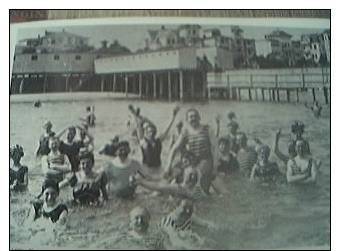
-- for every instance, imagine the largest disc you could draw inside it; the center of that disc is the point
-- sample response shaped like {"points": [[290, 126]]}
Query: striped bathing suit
{"points": [[168, 222], [198, 143]]}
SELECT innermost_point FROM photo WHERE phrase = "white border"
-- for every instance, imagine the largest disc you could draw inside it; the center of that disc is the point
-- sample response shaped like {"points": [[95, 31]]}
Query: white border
{"points": [[293, 23]]}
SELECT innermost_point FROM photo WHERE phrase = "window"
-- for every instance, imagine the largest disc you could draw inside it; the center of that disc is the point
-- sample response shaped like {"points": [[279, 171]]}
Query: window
{"points": [[56, 57], [34, 57], [53, 41], [78, 57]]}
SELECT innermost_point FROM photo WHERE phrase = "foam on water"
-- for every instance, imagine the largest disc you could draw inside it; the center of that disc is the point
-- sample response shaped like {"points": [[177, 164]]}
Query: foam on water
{"points": [[248, 216]]}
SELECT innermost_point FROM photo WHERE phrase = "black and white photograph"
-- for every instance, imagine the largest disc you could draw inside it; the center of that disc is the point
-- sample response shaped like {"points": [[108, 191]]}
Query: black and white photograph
{"points": [[170, 134]]}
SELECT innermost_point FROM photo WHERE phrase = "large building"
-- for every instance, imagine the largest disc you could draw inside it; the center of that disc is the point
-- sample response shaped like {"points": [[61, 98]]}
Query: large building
{"points": [[316, 47], [244, 49], [211, 46], [279, 45], [60, 57]]}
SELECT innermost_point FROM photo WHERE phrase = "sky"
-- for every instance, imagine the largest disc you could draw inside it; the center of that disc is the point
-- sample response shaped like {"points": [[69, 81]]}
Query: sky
{"points": [[133, 36]]}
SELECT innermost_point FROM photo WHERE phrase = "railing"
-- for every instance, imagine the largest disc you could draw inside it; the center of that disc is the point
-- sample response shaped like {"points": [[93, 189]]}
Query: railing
{"points": [[279, 80]]}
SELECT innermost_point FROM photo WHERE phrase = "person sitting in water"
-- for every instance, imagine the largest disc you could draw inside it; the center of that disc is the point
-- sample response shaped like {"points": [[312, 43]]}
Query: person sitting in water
{"points": [[88, 185], [71, 147], [111, 148], [302, 169], [151, 145], [195, 137], [315, 108], [50, 208], [297, 130], [120, 171], [263, 169], [55, 165], [44, 139], [226, 163], [246, 156], [18, 173]]}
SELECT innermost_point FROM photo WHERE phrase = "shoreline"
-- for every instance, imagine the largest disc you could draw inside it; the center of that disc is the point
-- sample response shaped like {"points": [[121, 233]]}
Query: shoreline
{"points": [[69, 96]]}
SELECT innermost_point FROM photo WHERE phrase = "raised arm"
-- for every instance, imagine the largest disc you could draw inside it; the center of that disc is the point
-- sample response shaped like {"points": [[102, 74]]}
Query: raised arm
{"points": [[218, 122], [59, 134], [277, 151], [165, 133], [178, 145]]}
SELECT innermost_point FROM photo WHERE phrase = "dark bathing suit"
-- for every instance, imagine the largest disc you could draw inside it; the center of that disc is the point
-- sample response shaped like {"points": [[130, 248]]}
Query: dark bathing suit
{"points": [[17, 175], [43, 145], [84, 194], [72, 152], [54, 215], [152, 153]]}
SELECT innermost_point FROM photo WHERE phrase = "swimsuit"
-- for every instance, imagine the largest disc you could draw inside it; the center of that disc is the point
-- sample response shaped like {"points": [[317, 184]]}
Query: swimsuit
{"points": [[72, 152], [199, 143], [87, 192], [17, 176], [152, 153], [227, 167], [52, 215]]}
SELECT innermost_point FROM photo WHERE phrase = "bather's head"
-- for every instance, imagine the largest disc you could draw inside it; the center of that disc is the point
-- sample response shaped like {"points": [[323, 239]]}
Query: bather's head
{"points": [[139, 219]]}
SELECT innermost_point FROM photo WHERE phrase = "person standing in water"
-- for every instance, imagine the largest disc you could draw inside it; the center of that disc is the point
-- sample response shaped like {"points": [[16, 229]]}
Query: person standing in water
{"points": [[43, 148], [50, 208], [315, 108], [18, 175], [302, 169], [90, 118], [246, 156], [151, 145], [195, 137], [71, 147]]}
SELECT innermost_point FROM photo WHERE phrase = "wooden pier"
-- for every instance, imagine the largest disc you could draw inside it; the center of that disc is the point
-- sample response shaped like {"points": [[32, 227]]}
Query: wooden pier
{"points": [[269, 85]]}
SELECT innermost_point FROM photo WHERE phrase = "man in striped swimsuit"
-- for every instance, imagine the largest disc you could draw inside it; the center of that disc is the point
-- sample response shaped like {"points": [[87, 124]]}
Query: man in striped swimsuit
{"points": [[196, 139]]}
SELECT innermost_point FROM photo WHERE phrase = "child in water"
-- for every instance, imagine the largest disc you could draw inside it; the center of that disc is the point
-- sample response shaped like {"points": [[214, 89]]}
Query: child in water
{"points": [[90, 118], [50, 208], [264, 170], [226, 163], [18, 173], [43, 148]]}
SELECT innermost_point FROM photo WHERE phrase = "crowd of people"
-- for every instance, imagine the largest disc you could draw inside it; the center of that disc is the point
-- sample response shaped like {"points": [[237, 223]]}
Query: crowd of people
{"points": [[188, 174]]}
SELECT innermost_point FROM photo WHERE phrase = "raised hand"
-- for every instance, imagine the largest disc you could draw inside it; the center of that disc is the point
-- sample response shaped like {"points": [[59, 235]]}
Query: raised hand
{"points": [[175, 111]]}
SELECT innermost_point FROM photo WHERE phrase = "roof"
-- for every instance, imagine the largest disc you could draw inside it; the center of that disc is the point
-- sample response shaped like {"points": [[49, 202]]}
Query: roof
{"points": [[280, 33], [62, 33]]}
